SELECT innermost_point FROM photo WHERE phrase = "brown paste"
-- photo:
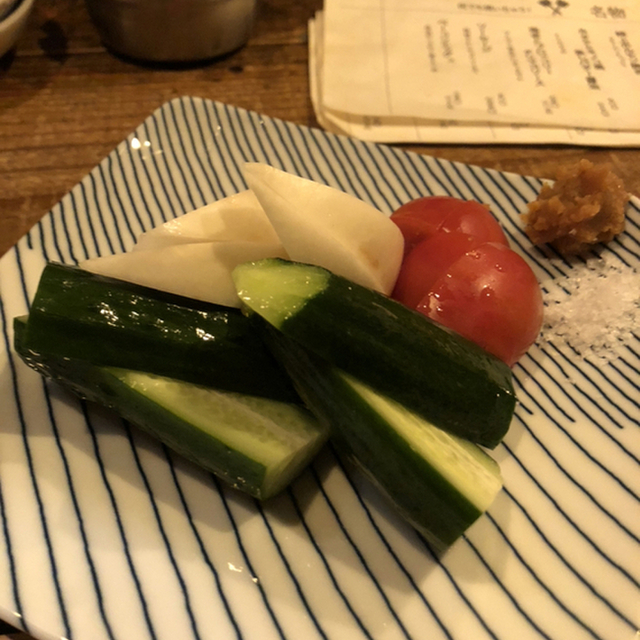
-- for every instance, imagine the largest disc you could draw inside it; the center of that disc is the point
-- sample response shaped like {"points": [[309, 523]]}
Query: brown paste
{"points": [[585, 205]]}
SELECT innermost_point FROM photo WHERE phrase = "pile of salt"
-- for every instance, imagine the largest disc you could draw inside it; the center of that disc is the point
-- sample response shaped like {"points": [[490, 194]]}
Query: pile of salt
{"points": [[594, 310]]}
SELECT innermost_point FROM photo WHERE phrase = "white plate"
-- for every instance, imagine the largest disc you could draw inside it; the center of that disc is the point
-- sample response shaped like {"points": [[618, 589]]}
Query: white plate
{"points": [[107, 535]]}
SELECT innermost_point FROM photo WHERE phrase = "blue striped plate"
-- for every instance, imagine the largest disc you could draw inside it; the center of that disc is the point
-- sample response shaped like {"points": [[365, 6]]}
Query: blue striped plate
{"points": [[107, 535]]}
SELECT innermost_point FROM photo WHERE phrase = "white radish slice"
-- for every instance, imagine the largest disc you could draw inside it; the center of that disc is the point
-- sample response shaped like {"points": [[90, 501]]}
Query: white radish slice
{"points": [[199, 270], [329, 228], [237, 218]]}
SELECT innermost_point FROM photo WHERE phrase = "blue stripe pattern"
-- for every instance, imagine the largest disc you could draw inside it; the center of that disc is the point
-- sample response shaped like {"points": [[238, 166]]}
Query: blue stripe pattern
{"points": [[107, 535]]}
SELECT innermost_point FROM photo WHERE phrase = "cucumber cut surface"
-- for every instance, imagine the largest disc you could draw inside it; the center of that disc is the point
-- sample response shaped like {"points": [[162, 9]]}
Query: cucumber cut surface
{"points": [[436, 373], [258, 445], [109, 322], [464, 466], [440, 483]]}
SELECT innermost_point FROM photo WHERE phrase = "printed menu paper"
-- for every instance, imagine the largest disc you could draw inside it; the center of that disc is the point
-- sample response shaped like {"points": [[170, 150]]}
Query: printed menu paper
{"points": [[503, 71]]}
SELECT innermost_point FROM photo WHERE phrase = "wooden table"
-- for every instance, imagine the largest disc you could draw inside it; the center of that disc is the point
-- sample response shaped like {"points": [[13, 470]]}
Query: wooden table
{"points": [[66, 102]]}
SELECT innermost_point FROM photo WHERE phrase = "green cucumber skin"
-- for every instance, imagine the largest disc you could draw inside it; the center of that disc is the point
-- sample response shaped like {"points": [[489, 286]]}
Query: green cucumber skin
{"points": [[111, 387], [449, 380], [97, 384], [81, 315], [428, 502]]}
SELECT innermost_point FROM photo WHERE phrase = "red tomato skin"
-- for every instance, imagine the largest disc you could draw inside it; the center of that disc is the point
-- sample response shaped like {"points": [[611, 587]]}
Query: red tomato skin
{"points": [[490, 296], [427, 262], [423, 217], [475, 220]]}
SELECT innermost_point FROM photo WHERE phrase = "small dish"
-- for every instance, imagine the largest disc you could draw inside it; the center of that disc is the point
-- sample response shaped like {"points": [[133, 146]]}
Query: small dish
{"points": [[12, 25]]}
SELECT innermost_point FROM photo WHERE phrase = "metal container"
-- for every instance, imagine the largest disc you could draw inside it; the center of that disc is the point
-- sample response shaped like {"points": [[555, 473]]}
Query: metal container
{"points": [[173, 30]]}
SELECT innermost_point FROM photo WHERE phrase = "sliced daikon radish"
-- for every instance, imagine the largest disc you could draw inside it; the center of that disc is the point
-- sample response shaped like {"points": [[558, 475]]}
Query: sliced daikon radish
{"points": [[199, 270], [329, 228], [237, 218]]}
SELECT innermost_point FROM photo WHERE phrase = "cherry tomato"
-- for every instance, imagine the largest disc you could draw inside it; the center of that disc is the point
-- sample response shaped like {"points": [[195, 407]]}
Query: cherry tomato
{"points": [[426, 262], [421, 218], [490, 296]]}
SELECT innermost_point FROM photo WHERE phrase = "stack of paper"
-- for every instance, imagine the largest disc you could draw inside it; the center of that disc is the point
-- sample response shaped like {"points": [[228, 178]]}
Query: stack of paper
{"points": [[478, 71]]}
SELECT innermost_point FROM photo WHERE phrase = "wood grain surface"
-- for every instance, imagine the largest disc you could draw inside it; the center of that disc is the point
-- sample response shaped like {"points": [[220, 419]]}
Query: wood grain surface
{"points": [[66, 102]]}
